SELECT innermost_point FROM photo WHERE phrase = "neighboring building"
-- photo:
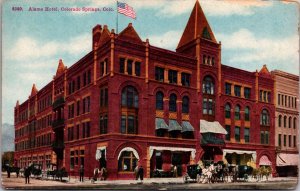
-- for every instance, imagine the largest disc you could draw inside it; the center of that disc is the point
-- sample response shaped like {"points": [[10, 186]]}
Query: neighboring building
{"points": [[128, 103], [287, 121]]}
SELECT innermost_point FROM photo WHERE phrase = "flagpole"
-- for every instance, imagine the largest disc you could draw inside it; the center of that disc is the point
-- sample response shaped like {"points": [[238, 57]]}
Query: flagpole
{"points": [[117, 19]]}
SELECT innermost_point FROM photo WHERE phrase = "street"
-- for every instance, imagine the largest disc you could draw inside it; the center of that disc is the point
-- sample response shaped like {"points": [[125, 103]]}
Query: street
{"points": [[148, 184]]}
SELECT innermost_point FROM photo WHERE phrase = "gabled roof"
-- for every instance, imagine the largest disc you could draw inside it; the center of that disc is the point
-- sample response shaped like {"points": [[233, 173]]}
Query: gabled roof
{"points": [[105, 36], [130, 34], [60, 68], [197, 25], [264, 70], [33, 90]]}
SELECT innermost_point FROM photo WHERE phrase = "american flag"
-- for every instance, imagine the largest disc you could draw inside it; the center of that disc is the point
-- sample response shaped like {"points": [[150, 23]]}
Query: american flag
{"points": [[125, 9]]}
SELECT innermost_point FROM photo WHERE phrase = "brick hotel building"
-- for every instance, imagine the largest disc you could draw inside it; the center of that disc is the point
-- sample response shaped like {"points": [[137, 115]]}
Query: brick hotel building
{"points": [[129, 103]]}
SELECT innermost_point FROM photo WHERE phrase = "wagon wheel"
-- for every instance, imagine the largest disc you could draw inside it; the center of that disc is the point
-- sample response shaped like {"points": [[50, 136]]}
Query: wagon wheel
{"points": [[185, 178]]}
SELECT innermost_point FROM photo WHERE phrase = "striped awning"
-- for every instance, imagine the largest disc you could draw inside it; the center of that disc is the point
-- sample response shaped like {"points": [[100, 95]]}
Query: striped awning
{"points": [[284, 159], [174, 125], [264, 160], [160, 124], [186, 126]]}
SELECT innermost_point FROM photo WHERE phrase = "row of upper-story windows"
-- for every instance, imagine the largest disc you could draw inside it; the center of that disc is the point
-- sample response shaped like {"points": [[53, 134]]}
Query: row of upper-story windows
{"points": [[289, 140], [130, 67], [44, 122], [265, 96], [79, 131], [75, 84], [23, 116], [172, 76], [44, 103], [237, 91], [284, 121], [237, 112], [38, 141], [21, 132], [287, 101], [237, 134], [86, 105], [172, 102], [208, 60]]}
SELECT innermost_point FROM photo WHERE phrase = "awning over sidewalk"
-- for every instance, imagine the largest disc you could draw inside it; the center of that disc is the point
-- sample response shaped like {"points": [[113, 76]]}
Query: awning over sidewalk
{"points": [[284, 159], [239, 152], [158, 148], [174, 125], [160, 124], [264, 160], [98, 152], [186, 126], [211, 127]]}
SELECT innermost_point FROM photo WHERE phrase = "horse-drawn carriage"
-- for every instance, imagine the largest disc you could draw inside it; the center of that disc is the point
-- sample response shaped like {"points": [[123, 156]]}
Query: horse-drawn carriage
{"points": [[56, 173]]}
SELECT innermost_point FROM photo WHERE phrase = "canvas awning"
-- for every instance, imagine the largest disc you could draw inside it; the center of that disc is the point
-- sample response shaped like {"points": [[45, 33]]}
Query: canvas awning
{"points": [[186, 126], [160, 124], [174, 125], [283, 159], [211, 127], [264, 160], [98, 152], [239, 152], [129, 149], [158, 148]]}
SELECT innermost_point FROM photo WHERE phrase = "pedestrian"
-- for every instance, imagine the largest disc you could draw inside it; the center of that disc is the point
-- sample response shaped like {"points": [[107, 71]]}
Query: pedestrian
{"points": [[136, 172], [8, 172], [81, 173], [27, 175], [141, 173], [175, 171]]}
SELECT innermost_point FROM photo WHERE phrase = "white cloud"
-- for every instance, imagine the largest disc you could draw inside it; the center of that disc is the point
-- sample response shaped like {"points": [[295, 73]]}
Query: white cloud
{"points": [[262, 50], [168, 40], [28, 48]]}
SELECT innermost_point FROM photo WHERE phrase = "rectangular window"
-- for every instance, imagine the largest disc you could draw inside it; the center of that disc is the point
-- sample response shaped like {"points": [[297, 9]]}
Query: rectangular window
{"points": [[88, 104], [289, 101], [129, 66], [247, 93], [101, 68], [122, 65], [71, 160], [247, 135], [77, 133], [227, 136], [260, 95], [185, 79], [295, 141], [88, 129], [237, 134], [83, 105], [172, 76], [137, 68], [284, 140], [78, 82], [290, 141], [123, 124], [159, 74], [130, 122], [278, 99], [227, 88], [83, 130], [279, 140], [205, 106], [70, 88], [269, 97], [267, 137], [237, 91], [78, 107], [73, 86], [262, 137]]}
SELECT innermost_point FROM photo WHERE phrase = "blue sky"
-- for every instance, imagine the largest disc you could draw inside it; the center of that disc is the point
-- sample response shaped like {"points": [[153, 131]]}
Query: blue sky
{"points": [[252, 33]]}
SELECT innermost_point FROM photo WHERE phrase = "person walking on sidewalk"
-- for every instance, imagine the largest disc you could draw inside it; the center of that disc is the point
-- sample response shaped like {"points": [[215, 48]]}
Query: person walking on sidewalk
{"points": [[81, 173], [27, 175], [141, 173]]}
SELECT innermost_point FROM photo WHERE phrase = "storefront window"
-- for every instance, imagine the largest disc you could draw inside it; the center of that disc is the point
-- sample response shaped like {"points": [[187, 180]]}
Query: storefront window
{"points": [[127, 162]]}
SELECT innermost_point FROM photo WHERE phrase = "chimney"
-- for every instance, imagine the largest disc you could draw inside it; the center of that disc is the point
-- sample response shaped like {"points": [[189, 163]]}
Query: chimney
{"points": [[96, 35]]}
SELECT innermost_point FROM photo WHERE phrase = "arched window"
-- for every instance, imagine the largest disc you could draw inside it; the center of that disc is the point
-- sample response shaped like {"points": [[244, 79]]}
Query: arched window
{"points": [[237, 115], [159, 100], [265, 118], [290, 122], [284, 121], [127, 162], [295, 122], [208, 85], [247, 114], [130, 97], [279, 120], [172, 103], [129, 110], [227, 110], [185, 104]]}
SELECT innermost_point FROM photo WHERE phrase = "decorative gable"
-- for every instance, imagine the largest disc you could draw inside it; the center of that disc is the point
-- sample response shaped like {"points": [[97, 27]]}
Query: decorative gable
{"points": [[34, 91], [129, 34], [105, 36], [60, 68]]}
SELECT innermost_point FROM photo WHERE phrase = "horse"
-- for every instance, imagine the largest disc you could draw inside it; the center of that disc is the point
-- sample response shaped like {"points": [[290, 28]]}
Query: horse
{"points": [[10, 169]]}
